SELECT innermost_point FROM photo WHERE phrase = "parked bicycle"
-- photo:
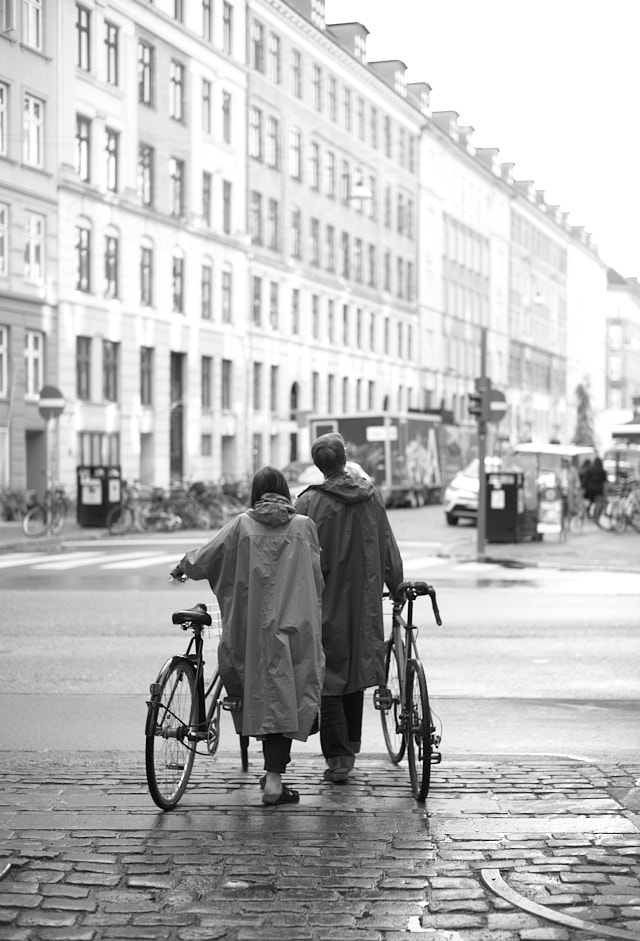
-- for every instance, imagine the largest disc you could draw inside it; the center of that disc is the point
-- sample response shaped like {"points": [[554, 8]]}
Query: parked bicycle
{"points": [[141, 511], [188, 502], [403, 699], [48, 515], [183, 714]]}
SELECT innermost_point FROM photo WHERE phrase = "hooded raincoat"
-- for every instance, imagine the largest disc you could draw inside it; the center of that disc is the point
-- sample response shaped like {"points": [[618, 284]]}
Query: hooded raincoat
{"points": [[359, 554], [264, 568]]}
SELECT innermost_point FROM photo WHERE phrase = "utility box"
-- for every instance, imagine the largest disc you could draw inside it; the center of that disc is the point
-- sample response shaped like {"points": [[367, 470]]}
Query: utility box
{"points": [[505, 506], [99, 489]]}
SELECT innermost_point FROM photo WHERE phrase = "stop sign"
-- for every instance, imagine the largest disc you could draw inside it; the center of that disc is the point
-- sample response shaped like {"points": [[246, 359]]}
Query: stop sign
{"points": [[51, 403], [497, 405]]}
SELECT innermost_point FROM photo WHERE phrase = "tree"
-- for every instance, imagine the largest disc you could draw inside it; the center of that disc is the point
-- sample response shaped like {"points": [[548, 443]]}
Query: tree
{"points": [[584, 433]]}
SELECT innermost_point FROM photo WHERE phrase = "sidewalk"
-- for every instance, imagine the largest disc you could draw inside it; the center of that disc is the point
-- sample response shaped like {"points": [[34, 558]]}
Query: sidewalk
{"points": [[86, 855]]}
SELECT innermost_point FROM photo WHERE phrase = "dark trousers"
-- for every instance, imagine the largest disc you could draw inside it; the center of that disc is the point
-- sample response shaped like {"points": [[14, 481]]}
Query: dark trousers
{"points": [[277, 753], [341, 724]]}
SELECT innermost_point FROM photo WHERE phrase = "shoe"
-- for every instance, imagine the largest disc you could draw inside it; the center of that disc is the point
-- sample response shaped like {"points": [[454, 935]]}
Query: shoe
{"points": [[286, 796], [337, 775]]}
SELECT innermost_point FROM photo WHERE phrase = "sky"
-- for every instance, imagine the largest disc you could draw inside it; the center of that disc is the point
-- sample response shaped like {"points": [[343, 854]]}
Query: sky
{"points": [[554, 84]]}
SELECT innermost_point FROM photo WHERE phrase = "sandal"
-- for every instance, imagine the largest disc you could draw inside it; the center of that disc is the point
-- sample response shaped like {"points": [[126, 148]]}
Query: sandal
{"points": [[286, 796]]}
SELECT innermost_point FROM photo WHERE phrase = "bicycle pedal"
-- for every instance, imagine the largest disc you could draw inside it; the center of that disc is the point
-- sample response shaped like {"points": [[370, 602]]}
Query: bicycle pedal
{"points": [[382, 698], [232, 704]]}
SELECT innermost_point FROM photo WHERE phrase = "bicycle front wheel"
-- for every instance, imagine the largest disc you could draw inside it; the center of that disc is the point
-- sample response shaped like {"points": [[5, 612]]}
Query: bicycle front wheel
{"points": [[418, 731], [119, 520], [58, 516], [34, 522], [391, 713], [171, 743]]}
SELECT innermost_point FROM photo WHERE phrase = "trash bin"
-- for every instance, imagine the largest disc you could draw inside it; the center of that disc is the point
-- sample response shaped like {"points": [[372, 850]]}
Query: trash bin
{"points": [[505, 506], [99, 489]]}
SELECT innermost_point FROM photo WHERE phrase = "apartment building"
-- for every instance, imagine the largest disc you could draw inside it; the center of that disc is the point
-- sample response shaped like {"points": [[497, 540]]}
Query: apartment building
{"points": [[622, 348], [29, 103]]}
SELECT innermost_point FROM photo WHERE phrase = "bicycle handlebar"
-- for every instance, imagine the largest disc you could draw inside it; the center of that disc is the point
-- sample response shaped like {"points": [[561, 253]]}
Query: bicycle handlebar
{"points": [[409, 591]]}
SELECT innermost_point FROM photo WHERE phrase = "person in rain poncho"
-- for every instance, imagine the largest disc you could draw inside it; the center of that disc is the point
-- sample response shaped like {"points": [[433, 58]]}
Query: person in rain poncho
{"points": [[359, 554], [264, 568]]}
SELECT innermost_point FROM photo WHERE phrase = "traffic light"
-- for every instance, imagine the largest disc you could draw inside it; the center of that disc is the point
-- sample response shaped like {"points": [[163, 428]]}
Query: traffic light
{"points": [[477, 405]]}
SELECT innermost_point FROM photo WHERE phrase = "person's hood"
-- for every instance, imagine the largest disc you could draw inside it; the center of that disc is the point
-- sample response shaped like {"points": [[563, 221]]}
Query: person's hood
{"points": [[272, 510], [346, 488]]}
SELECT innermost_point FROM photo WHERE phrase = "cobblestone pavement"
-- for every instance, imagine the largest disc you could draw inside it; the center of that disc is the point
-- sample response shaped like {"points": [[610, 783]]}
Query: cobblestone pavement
{"points": [[85, 855]]}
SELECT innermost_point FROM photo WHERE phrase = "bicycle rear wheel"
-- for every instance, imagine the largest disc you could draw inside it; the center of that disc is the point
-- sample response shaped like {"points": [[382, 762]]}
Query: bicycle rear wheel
{"points": [[34, 522], [391, 716], [170, 746], [119, 520], [418, 731], [58, 516]]}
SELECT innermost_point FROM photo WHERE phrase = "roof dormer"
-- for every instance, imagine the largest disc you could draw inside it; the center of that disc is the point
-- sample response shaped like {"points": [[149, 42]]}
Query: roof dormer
{"points": [[420, 94], [393, 73], [352, 37]]}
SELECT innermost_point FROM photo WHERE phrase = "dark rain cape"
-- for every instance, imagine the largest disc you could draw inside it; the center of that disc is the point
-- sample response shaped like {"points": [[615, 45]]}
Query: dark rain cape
{"points": [[264, 569], [359, 555]]}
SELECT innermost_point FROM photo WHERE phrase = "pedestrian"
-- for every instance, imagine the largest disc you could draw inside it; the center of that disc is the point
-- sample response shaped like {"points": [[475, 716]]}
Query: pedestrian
{"points": [[264, 569], [594, 481], [359, 554]]}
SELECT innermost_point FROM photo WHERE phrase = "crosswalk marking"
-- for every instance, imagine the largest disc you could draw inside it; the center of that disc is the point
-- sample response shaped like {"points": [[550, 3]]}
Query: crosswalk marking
{"points": [[89, 558], [22, 558], [424, 562], [144, 562]]}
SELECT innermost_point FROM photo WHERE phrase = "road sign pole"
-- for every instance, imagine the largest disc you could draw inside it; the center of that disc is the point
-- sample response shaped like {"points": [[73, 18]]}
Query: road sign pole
{"points": [[482, 447]]}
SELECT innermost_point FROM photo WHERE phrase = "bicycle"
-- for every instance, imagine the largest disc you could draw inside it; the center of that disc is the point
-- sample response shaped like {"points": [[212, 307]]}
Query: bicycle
{"points": [[48, 515], [403, 699], [141, 512], [182, 713]]}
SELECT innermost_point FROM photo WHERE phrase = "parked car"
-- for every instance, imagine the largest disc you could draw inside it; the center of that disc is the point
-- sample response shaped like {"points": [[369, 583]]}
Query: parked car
{"points": [[300, 476], [461, 494]]}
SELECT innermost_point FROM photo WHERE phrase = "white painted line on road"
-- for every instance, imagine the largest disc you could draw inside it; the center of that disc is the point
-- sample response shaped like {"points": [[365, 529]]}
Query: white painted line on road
{"points": [[20, 558], [144, 562], [88, 558], [425, 561], [44, 560]]}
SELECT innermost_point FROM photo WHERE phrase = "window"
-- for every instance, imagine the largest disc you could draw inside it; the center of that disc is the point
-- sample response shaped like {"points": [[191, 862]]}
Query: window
{"points": [[226, 384], [176, 91], [111, 156], [207, 21], [315, 391], [83, 368], [4, 118], [315, 316], [178, 10], [273, 389], [371, 280], [111, 266], [206, 445], [207, 190], [83, 259], [177, 281], [346, 109], [372, 332], [400, 277], [330, 174], [296, 73], [32, 23], [4, 239], [34, 363], [226, 206], [226, 117], [110, 357], [111, 40], [257, 387], [387, 271], [295, 311], [33, 153], [83, 148], [146, 375], [227, 28], [273, 59], [345, 183], [314, 166], [145, 174], [316, 84], [83, 38], [257, 301], [374, 127], [345, 394], [146, 276], [255, 218], [331, 387], [296, 233], [34, 259], [345, 324], [331, 321], [388, 145], [255, 133], [206, 381], [314, 255], [387, 207], [346, 263], [357, 260], [330, 248], [332, 92], [227, 286], [176, 190], [400, 219], [206, 106], [361, 118], [145, 73], [274, 305], [273, 223], [257, 46], [206, 291], [272, 146], [295, 148]]}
